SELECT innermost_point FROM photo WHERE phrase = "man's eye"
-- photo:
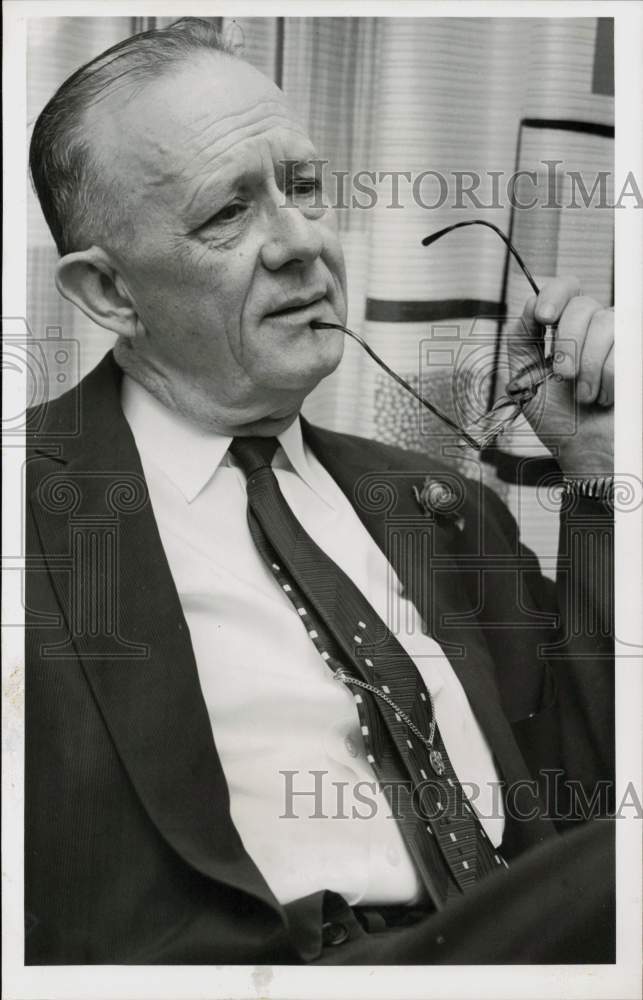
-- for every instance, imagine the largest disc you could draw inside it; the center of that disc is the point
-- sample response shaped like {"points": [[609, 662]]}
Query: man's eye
{"points": [[227, 214]]}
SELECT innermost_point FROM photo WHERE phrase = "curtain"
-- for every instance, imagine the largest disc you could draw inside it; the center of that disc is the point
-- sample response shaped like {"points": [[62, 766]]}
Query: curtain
{"points": [[463, 98]]}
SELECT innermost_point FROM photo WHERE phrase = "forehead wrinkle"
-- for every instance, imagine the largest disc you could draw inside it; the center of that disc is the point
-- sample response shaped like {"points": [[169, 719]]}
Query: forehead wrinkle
{"points": [[217, 145], [220, 147], [261, 111], [257, 130], [155, 152]]}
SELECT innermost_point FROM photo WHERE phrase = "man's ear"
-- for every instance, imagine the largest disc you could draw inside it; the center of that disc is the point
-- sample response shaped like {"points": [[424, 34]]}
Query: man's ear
{"points": [[89, 280]]}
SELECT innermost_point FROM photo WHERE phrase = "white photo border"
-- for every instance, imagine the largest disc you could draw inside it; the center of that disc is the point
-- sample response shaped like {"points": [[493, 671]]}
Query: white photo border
{"points": [[572, 982]]}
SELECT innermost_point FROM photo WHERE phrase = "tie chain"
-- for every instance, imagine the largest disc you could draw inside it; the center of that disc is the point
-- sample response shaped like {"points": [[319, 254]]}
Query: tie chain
{"points": [[435, 757]]}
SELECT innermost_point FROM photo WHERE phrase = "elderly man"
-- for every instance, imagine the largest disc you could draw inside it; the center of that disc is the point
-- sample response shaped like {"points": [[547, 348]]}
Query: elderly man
{"points": [[211, 685]]}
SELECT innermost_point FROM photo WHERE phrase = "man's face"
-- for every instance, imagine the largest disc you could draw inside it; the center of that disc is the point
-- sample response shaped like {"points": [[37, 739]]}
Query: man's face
{"points": [[229, 259]]}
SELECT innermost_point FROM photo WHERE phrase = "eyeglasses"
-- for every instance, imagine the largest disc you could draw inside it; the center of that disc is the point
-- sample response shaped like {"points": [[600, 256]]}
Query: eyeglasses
{"points": [[481, 432]]}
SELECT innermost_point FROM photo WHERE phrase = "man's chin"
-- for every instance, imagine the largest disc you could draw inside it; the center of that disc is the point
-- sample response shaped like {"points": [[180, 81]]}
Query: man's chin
{"points": [[304, 370], [329, 350], [303, 382], [268, 426]]}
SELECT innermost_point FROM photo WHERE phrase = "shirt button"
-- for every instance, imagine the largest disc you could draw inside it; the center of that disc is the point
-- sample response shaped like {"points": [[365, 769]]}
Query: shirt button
{"points": [[350, 746], [392, 856]]}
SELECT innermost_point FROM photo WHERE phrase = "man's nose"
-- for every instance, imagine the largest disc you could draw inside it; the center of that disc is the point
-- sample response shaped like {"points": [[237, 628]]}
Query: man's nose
{"points": [[293, 237]]}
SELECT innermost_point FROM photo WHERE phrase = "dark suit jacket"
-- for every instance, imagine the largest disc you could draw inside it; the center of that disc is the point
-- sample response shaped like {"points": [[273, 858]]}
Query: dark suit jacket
{"points": [[131, 854]]}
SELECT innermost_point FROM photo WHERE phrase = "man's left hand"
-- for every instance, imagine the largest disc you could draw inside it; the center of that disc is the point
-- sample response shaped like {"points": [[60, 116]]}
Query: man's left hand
{"points": [[583, 381]]}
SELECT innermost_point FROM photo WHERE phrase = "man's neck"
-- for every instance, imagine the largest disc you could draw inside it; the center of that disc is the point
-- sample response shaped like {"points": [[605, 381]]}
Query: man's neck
{"points": [[206, 414]]}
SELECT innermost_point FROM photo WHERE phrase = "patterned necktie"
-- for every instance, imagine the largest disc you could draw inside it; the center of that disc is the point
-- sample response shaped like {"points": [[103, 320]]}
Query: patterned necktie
{"points": [[443, 834]]}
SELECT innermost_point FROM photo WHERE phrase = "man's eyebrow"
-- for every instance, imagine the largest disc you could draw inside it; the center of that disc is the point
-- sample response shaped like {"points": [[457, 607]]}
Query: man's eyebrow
{"points": [[191, 209], [215, 190]]}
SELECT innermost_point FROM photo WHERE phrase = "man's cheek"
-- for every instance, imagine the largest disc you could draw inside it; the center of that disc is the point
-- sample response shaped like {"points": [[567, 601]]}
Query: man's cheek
{"points": [[333, 257]]}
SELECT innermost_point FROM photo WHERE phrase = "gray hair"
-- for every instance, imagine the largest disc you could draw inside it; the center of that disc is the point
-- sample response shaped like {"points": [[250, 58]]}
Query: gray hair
{"points": [[71, 189]]}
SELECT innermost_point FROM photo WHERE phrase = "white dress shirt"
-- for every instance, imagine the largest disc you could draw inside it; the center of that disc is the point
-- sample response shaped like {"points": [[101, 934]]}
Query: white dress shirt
{"points": [[273, 703]]}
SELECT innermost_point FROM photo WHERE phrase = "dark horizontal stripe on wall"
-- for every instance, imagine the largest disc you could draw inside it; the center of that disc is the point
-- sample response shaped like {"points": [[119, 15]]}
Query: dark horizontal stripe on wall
{"points": [[570, 125], [431, 310]]}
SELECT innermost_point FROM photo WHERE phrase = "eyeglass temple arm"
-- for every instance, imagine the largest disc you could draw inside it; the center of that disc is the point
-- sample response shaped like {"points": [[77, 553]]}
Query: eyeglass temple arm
{"points": [[319, 325], [428, 240], [505, 239]]}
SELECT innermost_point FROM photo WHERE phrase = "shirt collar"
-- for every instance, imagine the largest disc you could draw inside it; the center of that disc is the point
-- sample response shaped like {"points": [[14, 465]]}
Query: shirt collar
{"points": [[188, 455]]}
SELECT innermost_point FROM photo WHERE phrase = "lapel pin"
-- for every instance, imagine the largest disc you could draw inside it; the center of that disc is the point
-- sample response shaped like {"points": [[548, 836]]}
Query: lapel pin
{"points": [[438, 498]]}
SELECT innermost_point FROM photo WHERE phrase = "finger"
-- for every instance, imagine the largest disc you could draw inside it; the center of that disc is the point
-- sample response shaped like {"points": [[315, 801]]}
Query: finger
{"points": [[606, 394], [523, 339], [554, 296], [528, 327], [595, 349], [570, 336]]}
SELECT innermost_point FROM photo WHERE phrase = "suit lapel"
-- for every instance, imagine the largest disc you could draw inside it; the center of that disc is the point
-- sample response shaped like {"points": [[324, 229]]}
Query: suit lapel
{"points": [[139, 660]]}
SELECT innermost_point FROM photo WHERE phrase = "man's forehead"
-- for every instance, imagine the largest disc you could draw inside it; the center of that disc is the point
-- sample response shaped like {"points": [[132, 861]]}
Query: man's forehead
{"points": [[195, 116]]}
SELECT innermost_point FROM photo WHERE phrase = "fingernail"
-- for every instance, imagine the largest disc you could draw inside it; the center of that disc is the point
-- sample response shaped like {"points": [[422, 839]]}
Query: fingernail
{"points": [[584, 390], [602, 398]]}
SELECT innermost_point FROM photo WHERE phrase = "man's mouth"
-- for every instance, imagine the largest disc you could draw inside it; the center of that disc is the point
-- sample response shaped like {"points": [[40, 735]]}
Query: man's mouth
{"points": [[297, 304]]}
